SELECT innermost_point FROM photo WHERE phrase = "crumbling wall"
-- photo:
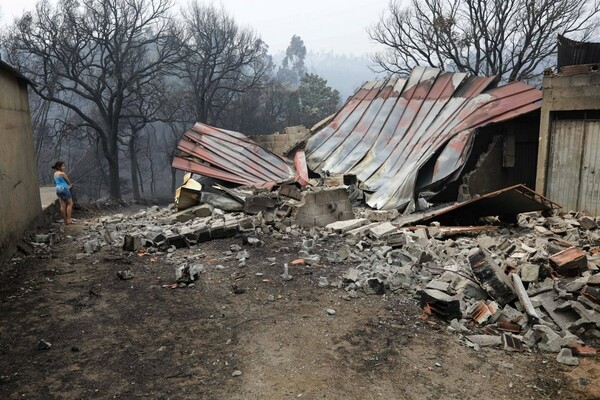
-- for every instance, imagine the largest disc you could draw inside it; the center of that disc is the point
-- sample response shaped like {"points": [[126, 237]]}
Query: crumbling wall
{"points": [[19, 190], [322, 207], [278, 143]]}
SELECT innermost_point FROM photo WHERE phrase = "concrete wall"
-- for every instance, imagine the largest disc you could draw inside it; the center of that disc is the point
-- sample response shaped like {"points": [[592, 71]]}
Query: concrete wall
{"points": [[19, 191], [563, 93], [322, 207], [278, 143]]}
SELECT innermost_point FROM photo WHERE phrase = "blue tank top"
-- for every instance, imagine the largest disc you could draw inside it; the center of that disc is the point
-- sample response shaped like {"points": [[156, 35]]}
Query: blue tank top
{"points": [[60, 182]]}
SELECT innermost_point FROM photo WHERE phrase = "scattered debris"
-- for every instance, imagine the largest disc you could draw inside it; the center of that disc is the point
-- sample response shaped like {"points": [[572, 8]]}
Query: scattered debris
{"points": [[569, 262], [43, 345], [286, 276], [565, 356], [125, 274]]}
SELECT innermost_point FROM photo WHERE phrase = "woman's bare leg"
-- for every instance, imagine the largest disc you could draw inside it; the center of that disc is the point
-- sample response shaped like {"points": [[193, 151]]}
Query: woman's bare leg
{"points": [[63, 209], [69, 211]]}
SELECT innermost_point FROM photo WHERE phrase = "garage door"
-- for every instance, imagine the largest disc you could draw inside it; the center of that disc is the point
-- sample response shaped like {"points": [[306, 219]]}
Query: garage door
{"points": [[574, 167]]}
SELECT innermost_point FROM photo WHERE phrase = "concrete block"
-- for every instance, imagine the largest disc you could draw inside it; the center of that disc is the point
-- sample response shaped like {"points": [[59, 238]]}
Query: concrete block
{"points": [[440, 303], [529, 272], [361, 231], [132, 243], [256, 204], [381, 215], [491, 277], [202, 211], [222, 229], [565, 356], [348, 225], [177, 240], [382, 230], [290, 191], [184, 216]]}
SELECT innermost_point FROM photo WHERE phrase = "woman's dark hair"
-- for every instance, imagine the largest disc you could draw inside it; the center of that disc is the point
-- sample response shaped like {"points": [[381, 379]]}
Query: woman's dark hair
{"points": [[57, 165]]}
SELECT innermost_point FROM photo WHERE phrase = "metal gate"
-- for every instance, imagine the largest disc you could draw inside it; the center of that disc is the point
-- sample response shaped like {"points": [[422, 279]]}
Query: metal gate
{"points": [[574, 165]]}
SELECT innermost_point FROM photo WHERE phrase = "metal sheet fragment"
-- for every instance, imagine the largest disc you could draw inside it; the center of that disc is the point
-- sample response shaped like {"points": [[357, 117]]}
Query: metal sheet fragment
{"points": [[230, 156]]}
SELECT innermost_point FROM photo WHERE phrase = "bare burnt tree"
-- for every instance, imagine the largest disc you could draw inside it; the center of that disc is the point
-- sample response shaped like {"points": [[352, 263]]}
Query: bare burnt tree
{"points": [[221, 60], [153, 102], [92, 56], [509, 38]]}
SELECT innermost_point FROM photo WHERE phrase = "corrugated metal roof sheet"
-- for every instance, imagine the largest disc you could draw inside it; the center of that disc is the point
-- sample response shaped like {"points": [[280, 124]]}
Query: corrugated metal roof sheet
{"points": [[232, 157], [389, 130], [572, 52]]}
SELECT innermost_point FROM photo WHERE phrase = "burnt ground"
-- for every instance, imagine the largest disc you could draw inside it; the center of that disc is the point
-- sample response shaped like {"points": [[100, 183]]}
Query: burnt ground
{"points": [[135, 339]]}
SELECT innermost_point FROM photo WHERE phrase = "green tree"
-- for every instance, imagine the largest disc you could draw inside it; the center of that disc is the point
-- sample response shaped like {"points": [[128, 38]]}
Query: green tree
{"points": [[292, 67], [316, 100]]}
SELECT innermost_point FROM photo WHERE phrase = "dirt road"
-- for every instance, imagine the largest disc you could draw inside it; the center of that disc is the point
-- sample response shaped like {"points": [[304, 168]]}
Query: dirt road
{"points": [[135, 339]]}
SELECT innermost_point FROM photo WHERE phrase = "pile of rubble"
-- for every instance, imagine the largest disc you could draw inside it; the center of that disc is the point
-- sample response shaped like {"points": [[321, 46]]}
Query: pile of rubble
{"points": [[535, 284]]}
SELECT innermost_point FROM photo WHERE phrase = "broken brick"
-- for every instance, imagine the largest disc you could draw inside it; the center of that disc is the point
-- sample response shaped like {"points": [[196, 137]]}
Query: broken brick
{"points": [[569, 262], [491, 277]]}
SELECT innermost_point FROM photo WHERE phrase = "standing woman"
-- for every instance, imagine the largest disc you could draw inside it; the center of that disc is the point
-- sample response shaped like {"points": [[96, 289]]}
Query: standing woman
{"points": [[62, 191]]}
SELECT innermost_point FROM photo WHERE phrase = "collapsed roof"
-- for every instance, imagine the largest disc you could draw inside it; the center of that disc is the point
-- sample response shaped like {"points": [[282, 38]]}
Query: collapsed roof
{"points": [[232, 157], [404, 137], [401, 138]]}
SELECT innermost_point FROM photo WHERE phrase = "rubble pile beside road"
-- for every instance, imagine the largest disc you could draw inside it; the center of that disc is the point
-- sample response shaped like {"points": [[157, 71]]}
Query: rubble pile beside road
{"points": [[525, 285]]}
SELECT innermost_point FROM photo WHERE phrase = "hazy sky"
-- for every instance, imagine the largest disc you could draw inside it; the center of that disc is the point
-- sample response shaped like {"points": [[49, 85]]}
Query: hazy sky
{"points": [[324, 25]]}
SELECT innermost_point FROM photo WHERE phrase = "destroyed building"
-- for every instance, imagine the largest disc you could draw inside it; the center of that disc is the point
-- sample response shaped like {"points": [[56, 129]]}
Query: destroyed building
{"points": [[568, 164], [20, 202], [433, 137]]}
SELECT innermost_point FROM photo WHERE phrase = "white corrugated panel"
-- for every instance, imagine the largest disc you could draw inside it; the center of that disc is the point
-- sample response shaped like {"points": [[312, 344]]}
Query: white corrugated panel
{"points": [[589, 189], [565, 162]]}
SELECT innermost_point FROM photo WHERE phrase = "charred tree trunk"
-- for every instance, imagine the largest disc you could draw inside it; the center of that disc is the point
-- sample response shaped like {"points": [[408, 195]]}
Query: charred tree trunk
{"points": [[135, 184], [173, 180]]}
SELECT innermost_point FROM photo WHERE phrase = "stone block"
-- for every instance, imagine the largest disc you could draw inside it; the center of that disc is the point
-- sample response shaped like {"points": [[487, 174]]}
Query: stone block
{"points": [[177, 240], [202, 234], [565, 356], [246, 225], [221, 202]]}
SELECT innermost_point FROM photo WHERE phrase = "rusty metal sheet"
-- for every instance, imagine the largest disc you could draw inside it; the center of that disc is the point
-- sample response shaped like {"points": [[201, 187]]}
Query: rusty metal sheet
{"points": [[509, 201], [230, 156], [389, 130]]}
